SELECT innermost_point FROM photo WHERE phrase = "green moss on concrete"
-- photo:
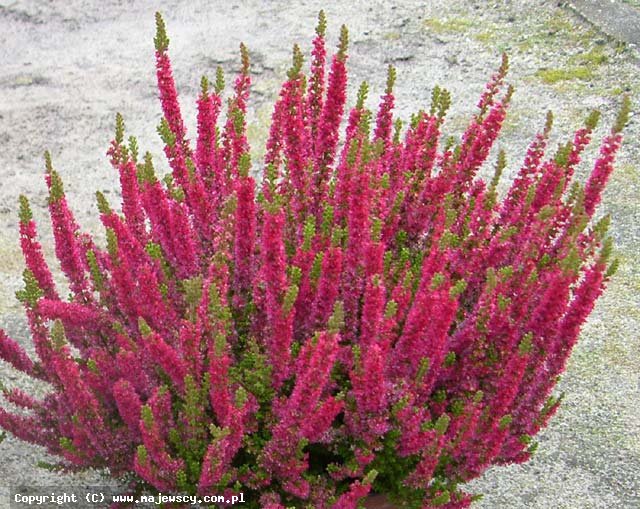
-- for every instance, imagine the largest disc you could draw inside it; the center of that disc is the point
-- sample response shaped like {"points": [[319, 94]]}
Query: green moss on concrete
{"points": [[487, 37], [593, 58], [581, 66], [448, 26], [553, 76], [391, 36]]}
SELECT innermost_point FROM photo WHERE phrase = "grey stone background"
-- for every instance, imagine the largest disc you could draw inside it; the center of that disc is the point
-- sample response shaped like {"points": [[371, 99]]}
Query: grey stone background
{"points": [[66, 68]]}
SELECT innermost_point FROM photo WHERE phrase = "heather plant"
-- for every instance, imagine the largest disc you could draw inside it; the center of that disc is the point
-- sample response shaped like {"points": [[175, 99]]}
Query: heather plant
{"points": [[370, 316]]}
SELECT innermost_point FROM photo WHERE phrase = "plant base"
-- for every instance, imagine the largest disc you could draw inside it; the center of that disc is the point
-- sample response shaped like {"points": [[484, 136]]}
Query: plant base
{"points": [[378, 502]]}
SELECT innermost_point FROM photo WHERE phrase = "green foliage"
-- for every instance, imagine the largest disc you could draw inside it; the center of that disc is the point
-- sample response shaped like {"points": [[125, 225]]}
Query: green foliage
{"points": [[56, 191], [253, 372], [392, 469], [103, 204], [31, 292], [161, 40], [344, 43], [553, 76], [25, 210]]}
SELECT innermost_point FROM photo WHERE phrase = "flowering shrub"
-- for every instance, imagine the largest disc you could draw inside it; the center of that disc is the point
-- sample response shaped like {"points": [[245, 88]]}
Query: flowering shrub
{"points": [[371, 315]]}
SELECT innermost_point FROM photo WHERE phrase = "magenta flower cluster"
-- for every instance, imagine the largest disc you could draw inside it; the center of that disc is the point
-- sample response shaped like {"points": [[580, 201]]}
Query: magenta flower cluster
{"points": [[370, 316]]}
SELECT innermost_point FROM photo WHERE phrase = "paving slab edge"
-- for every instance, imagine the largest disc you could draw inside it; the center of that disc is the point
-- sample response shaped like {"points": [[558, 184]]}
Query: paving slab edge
{"points": [[609, 18]]}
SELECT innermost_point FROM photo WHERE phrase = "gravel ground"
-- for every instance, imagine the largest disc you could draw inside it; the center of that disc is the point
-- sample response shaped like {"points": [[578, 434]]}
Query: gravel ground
{"points": [[69, 66]]}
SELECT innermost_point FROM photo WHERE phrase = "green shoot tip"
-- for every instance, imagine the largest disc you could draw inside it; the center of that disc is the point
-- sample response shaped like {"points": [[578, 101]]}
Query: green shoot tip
{"points": [[321, 29], [623, 115], [592, 120], [25, 210], [204, 87], [362, 95], [161, 40], [219, 86], [103, 204], [297, 60], [504, 65], [344, 43], [548, 123], [119, 129], [47, 162], [391, 79], [56, 190], [244, 56]]}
